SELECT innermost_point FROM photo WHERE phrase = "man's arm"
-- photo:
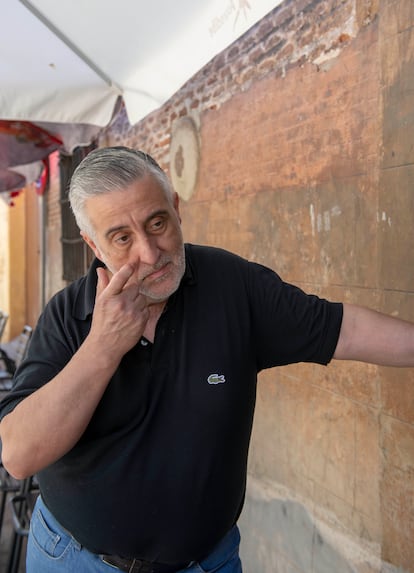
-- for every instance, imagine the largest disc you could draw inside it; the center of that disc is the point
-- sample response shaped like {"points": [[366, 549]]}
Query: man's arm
{"points": [[369, 336], [49, 422]]}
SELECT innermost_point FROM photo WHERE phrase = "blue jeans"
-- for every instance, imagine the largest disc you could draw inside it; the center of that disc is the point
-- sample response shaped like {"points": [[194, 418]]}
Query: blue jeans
{"points": [[50, 549]]}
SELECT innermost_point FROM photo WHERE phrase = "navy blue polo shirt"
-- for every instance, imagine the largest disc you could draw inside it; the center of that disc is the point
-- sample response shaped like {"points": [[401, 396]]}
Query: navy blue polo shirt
{"points": [[160, 471]]}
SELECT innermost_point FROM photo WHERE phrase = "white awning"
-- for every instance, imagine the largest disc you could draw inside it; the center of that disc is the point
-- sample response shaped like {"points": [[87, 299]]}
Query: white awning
{"points": [[67, 62]]}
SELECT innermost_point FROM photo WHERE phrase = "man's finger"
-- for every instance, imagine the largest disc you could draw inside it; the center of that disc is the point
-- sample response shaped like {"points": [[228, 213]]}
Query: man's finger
{"points": [[119, 279], [103, 280]]}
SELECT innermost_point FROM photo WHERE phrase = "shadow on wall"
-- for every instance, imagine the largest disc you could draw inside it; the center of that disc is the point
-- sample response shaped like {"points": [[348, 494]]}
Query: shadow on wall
{"points": [[280, 536]]}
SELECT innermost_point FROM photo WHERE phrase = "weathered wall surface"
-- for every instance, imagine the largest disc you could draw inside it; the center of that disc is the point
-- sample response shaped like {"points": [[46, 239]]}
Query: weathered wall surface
{"points": [[396, 276], [299, 155], [22, 293]]}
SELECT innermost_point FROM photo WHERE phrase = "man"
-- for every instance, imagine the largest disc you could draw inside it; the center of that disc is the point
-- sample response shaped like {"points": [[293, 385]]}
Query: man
{"points": [[134, 406]]}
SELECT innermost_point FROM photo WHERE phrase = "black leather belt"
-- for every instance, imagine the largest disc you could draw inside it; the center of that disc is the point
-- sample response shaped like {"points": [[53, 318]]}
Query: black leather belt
{"points": [[140, 566]]}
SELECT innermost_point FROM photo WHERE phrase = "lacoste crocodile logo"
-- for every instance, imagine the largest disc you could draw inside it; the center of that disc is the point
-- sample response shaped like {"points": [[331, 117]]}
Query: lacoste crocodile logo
{"points": [[216, 379]]}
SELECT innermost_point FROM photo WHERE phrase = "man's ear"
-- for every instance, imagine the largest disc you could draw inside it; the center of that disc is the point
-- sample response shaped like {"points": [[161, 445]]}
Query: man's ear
{"points": [[91, 244], [176, 204]]}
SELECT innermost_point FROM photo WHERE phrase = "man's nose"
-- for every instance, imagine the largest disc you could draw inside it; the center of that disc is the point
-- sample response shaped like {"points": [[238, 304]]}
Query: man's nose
{"points": [[147, 251]]}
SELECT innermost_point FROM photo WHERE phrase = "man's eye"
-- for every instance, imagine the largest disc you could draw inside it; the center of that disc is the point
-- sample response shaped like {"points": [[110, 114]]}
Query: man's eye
{"points": [[157, 225], [122, 239]]}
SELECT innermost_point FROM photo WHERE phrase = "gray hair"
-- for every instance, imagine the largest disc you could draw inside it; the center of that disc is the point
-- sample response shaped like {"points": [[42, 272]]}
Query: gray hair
{"points": [[107, 170]]}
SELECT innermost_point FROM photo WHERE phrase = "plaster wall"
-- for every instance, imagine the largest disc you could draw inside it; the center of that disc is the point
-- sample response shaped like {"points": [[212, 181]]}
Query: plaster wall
{"points": [[13, 265], [304, 162]]}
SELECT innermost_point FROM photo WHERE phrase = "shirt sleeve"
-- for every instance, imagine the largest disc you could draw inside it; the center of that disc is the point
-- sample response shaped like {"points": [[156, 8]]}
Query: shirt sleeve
{"points": [[290, 325], [49, 350]]}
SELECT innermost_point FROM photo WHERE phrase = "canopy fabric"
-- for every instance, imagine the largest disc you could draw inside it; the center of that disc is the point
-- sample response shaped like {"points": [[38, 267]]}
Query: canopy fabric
{"points": [[24, 146], [65, 65], [22, 141]]}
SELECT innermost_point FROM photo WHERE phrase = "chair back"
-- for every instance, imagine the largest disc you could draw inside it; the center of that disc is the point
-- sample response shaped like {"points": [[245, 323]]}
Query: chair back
{"points": [[3, 321], [23, 344]]}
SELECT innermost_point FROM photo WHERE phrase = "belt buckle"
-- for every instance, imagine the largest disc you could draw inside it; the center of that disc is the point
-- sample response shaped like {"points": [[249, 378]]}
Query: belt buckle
{"points": [[138, 566]]}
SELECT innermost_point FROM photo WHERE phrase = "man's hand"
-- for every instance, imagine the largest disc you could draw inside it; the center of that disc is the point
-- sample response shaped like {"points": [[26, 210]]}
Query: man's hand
{"points": [[121, 312], [49, 422]]}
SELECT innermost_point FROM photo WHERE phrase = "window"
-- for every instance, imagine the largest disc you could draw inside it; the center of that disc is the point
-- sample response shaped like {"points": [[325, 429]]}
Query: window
{"points": [[76, 255]]}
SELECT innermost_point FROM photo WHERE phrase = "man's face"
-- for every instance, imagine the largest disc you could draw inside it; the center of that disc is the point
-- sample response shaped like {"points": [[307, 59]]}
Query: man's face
{"points": [[139, 225]]}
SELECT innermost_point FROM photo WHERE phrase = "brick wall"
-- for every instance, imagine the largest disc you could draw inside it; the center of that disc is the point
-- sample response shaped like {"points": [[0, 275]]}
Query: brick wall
{"points": [[295, 32], [305, 127], [53, 259]]}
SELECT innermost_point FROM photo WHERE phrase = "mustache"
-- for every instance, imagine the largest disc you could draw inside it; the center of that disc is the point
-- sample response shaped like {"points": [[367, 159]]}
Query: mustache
{"points": [[162, 261]]}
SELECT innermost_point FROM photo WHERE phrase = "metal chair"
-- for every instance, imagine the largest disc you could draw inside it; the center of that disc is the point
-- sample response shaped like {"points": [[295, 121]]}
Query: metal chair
{"points": [[21, 506], [10, 364], [8, 485]]}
